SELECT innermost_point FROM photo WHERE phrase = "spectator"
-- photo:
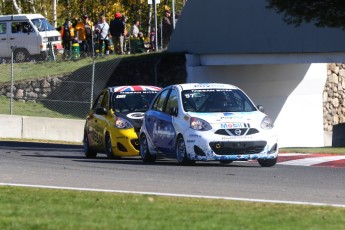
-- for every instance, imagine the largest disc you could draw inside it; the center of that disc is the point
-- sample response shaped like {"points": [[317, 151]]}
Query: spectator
{"points": [[102, 29], [125, 47], [167, 28], [135, 29], [67, 34], [153, 39], [117, 31], [84, 31]]}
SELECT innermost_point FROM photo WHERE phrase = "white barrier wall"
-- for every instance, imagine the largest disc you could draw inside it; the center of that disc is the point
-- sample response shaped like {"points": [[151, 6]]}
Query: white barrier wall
{"points": [[41, 128], [291, 95]]}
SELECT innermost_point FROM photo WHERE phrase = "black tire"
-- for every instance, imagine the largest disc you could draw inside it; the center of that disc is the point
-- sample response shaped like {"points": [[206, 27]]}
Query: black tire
{"points": [[144, 150], [225, 162], [88, 151], [21, 55], [108, 147], [181, 153], [267, 162]]}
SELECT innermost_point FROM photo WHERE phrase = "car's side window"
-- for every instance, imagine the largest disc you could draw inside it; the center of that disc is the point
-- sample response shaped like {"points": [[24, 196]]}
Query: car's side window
{"points": [[97, 103], [3, 28], [159, 103], [105, 100], [172, 102]]}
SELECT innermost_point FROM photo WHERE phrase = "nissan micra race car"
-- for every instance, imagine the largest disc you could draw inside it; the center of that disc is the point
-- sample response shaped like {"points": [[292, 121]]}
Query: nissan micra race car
{"points": [[207, 122], [112, 125]]}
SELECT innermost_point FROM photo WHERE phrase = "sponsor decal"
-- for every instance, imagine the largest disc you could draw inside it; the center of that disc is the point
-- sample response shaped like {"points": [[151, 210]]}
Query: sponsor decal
{"points": [[236, 137], [228, 114], [194, 135], [137, 115], [233, 125], [186, 117], [120, 96], [190, 141]]}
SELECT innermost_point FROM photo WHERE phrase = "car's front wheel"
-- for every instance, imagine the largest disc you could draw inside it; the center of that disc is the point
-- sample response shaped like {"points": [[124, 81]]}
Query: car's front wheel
{"points": [[144, 150], [181, 152], [267, 162], [88, 151], [108, 147]]}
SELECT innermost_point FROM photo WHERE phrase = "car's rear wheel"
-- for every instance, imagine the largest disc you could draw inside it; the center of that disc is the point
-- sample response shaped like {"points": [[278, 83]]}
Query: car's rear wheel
{"points": [[21, 55], [267, 162], [225, 162], [88, 151], [181, 152], [144, 150], [108, 147]]}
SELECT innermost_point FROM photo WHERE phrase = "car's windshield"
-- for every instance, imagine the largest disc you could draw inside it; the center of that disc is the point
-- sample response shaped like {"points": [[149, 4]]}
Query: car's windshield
{"points": [[42, 24], [216, 100], [135, 101]]}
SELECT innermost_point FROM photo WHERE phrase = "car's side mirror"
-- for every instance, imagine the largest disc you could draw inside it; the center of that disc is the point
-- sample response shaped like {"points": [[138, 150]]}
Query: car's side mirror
{"points": [[173, 111], [261, 108], [101, 111]]}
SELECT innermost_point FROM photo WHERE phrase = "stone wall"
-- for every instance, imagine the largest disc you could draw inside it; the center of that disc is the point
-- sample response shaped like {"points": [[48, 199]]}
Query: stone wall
{"points": [[32, 90], [334, 96]]}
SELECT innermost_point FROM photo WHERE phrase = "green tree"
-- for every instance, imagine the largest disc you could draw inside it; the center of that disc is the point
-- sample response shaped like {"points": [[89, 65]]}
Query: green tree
{"points": [[323, 13]]}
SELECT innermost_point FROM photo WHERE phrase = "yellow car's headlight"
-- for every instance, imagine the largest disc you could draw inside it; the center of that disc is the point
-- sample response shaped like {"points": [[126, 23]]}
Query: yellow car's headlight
{"points": [[122, 123]]}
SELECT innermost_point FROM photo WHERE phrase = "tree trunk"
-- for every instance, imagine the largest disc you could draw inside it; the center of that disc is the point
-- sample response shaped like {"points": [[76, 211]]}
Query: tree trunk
{"points": [[32, 6], [17, 9]]}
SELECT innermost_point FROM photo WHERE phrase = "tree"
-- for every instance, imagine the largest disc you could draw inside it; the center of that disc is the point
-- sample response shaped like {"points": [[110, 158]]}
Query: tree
{"points": [[323, 13]]}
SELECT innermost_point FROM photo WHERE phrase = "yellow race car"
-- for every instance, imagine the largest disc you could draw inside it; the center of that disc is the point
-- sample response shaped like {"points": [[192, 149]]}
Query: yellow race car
{"points": [[114, 121]]}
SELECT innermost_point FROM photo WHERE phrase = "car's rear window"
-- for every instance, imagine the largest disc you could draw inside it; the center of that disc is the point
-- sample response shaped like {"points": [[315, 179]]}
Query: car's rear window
{"points": [[134, 101], [216, 100]]}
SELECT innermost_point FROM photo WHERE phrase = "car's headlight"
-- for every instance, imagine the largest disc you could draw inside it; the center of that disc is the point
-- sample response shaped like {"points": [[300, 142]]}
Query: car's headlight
{"points": [[266, 123], [199, 124], [122, 123]]}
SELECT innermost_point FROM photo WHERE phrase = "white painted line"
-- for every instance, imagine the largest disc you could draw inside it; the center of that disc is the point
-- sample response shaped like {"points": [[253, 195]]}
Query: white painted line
{"points": [[312, 160], [176, 195]]}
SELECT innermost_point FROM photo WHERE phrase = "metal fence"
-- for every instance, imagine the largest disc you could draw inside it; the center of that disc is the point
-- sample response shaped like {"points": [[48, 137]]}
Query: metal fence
{"points": [[62, 85]]}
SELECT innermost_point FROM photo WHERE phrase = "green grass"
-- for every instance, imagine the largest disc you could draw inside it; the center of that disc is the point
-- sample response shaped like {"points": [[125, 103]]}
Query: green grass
{"points": [[31, 208], [30, 109], [31, 70]]}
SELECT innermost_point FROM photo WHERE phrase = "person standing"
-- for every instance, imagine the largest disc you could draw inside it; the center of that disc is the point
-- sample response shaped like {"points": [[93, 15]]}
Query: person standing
{"points": [[84, 29], [67, 35], [134, 33], [102, 29], [167, 28], [117, 31]]}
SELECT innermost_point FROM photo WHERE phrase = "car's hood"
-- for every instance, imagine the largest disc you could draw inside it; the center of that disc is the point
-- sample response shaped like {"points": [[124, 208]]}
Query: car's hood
{"points": [[253, 119], [136, 118]]}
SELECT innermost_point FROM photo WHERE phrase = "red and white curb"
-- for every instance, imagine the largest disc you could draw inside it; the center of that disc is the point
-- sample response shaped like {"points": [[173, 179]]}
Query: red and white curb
{"points": [[320, 160]]}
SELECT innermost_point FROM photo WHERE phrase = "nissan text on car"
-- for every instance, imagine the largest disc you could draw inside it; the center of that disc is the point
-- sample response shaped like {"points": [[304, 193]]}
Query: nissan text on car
{"points": [[207, 122], [113, 123]]}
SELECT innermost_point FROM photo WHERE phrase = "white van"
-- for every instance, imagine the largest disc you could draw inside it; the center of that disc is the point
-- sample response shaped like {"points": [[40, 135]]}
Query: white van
{"points": [[29, 35]]}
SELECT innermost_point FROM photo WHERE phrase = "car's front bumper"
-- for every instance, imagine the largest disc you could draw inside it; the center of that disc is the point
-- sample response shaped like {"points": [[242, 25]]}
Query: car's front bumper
{"points": [[205, 146]]}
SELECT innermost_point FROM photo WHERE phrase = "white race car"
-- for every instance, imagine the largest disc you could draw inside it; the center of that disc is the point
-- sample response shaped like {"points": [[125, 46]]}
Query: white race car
{"points": [[207, 122]]}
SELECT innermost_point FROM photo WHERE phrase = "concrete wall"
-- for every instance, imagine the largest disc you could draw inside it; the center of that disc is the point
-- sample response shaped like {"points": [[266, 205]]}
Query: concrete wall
{"points": [[41, 128], [290, 93]]}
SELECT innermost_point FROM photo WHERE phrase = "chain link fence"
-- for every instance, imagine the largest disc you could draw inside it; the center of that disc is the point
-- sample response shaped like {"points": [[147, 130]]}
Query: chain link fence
{"points": [[61, 85]]}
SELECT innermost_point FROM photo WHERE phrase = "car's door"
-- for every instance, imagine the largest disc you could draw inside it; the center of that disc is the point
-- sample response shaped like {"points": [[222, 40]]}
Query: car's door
{"points": [[152, 117], [101, 119], [4, 46], [92, 124], [165, 129], [23, 35]]}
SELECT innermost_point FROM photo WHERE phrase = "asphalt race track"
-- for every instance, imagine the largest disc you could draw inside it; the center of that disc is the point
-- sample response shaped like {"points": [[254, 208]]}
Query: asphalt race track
{"points": [[319, 180]]}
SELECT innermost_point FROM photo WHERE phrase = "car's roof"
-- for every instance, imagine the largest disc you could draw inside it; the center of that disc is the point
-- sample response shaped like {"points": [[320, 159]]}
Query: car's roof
{"points": [[189, 86], [133, 88]]}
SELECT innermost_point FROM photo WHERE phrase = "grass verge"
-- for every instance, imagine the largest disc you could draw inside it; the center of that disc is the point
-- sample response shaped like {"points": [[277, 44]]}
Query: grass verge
{"points": [[30, 109], [320, 150], [31, 208]]}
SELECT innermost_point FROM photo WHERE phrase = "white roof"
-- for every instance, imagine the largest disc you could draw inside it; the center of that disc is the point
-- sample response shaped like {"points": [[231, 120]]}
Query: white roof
{"points": [[189, 86], [19, 17]]}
